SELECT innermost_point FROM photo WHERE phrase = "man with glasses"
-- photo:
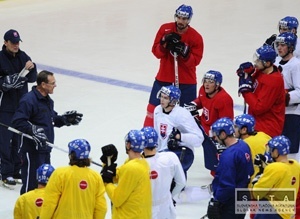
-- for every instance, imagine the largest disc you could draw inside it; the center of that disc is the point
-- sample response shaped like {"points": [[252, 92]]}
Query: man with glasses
{"points": [[36, 116], [13, 86]]}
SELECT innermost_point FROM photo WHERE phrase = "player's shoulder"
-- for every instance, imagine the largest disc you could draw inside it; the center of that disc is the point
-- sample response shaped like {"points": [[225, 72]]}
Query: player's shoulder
{"points": [[168, 27]]}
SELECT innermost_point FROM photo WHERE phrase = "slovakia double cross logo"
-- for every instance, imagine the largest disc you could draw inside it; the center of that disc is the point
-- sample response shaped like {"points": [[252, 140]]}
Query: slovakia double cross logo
{"points": [[163, 130]]}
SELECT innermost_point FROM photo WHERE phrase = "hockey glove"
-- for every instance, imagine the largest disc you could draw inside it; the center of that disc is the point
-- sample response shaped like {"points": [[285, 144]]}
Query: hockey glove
{"points": [[39, 137], [108, 173], [245, 85], [173, 142], [271, 40], [181, 49], [109, 151], [256, 178], [260, 160], [72, 118], [169, 40], [245, 69], [220, 149], [214, 209], [13, 82], [192, 108]]}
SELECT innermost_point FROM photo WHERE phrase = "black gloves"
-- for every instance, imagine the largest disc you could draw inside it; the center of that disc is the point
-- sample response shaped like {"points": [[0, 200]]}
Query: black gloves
{"points": [[181, 49], [214, 209], [192, 107], [39, 137], [169, 40], [72, 118], [109, 151], [220, 149], [260, 160], [13, 82], [287, 98], [108, 172], [271, 40], [173, 143]]}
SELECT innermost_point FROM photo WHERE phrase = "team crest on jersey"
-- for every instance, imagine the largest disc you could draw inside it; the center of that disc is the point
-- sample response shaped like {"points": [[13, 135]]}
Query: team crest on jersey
{"points": [[83, 184], [206, 113], [153, 174], [163, 130], [255, 85], [39, 202], [248, 157]]}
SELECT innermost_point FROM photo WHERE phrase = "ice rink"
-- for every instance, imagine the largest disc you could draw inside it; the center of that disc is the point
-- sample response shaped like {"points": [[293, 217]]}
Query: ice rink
{"points": [[100, 52]]}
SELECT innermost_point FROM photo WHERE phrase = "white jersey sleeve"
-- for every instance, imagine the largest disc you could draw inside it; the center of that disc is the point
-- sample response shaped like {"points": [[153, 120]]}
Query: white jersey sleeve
{"points": [[180, 118]]}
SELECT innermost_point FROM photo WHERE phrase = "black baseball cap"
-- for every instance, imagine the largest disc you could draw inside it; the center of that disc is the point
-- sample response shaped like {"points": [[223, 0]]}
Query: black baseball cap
{"points": [[12, 36]]}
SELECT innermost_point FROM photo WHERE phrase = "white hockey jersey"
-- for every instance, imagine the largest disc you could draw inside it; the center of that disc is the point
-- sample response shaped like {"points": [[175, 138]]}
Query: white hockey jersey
{"points": [[291, 75], [180, 118]]}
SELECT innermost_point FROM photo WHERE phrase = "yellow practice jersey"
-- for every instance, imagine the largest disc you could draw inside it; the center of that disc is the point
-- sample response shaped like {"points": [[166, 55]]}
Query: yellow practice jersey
{"points": [[278, 175], [74, 192], [28, 205], [257, 144], [131, 197]]}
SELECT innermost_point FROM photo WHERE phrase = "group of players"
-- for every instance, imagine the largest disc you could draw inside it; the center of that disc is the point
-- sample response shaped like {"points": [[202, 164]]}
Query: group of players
{"points": [[173, 126]]}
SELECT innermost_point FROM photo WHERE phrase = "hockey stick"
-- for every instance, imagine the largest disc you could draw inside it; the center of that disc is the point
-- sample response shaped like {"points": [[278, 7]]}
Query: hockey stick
{"points": [[176, 70], [204, 217], [48, 143]]}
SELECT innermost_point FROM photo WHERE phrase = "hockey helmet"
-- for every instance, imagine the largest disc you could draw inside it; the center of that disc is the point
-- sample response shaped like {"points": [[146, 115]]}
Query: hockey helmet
{"points": [[184, 11], [224, 124], [281, 143], [151, 136], [245, 120], [81, 147], [288, 23], [265, 53], [44, 172], [214, 76], [172, 92], [287, 38], [137, 140]]}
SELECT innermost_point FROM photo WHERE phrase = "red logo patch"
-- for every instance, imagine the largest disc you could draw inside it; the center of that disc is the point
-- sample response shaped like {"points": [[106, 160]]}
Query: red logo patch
{"points": [[153, 174], [163, 130], [39, 202], [247, 156], [83, 184]]}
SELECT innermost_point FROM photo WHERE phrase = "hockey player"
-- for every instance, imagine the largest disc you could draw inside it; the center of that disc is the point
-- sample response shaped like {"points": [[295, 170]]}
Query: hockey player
{"points": [[281, 174], [165, 166], [262, 87], [36, 116], [245, 129], [234, 171], [12, 87], [131, 197], [29, 204], [75, 191], [213, 99], [177, 130], [180, 38], [285, 44], [286, 24]]}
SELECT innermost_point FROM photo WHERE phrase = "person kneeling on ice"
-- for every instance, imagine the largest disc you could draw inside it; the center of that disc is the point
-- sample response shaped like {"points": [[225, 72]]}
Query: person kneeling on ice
{"points": [[234, 171], [29, 204], [177, 130]]}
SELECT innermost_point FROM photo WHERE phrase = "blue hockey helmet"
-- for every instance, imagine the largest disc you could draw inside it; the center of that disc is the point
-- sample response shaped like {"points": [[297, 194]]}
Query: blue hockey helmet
{"points": [[137, 140], [151, 136], [44, 172], [184, 11], [172, 92], [224, 124], [81, 147], [288, 23], [265, 53], [281, 143], [245, 120], [214, 76], [287, 38]]}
